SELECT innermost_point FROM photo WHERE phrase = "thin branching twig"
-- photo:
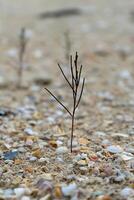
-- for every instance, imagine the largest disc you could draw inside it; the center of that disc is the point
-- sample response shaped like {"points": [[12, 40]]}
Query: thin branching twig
{"points": [[74, 84]]}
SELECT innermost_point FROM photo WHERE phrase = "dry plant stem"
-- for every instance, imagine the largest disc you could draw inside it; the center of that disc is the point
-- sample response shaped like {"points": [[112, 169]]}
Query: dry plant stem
{"points": [[67, 45], [22, 49], [74, 85]]}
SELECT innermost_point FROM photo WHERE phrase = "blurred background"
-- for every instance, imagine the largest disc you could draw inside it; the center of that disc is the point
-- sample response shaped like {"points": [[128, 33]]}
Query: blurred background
{"points": [[95, 27]]}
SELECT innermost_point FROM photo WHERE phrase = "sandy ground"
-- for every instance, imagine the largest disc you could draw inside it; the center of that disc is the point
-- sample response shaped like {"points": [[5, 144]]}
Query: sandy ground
{"points": [[35, 158]]}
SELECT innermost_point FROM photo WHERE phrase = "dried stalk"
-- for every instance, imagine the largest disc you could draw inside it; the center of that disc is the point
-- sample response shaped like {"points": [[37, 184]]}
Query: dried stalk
{"points": [[76, 72], [22, 50], [67, 45]]}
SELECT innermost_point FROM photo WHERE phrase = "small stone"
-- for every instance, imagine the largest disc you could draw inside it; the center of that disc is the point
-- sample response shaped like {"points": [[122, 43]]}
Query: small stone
{"points": [[8, 193], [104, 197], [47, 176], [11, 155], [130, 150], [44, 185], [127, 191], [74, 143], [37, 153], [59, 159], [83, 169], [29, 169], [12, 53], [29, 131], [119, 136], [82, 163], [125, 74], [61, 150], [46, 197], [100, 134], [105, 143], [57, 192], [119, 179], [33, 158], [69, 190], [25, 198], [83, 141], [42, 160], [29, 142], [114, 149], [21, 149], [19, 192], [53, 143], [127, 156], [59, 143], [10, 162]]}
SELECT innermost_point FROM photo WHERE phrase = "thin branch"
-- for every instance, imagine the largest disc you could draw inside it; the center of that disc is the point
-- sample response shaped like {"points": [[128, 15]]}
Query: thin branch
{"points": [[65, 77], [58, 101], [80, 93], [76, 66], [72, 74], [80, 73]]}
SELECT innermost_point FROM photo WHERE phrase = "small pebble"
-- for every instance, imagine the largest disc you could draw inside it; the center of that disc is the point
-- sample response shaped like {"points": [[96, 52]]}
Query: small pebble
{"points": [[69, 190], [19, 192], [100, 134], [119, 178], [25, 198], [12, 53], [106, 142], [127, 191], [125, 74], [61, 150], [29, 131], [114, 149], [42, 160], [44, 185], [32, 159], [8, 193], [126, 156], [82, 163], [10, 155]]}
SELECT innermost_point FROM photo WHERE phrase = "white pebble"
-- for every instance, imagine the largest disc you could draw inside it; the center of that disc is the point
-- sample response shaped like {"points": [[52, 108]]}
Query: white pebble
{"points": [[19, 192], [127, 192], [59, 159], [32, 159], [74, 144], [114, 149], [12, 53], [25, 198], [100, 134], [59, 143], [69, 190], [125, 74], [127, 156], [29, 131], [105, 142], [42, 160], [61, 150]]}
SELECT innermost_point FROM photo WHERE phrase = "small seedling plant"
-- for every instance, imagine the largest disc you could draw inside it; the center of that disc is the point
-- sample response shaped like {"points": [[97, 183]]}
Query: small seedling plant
{"points": [[77, 91]]}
